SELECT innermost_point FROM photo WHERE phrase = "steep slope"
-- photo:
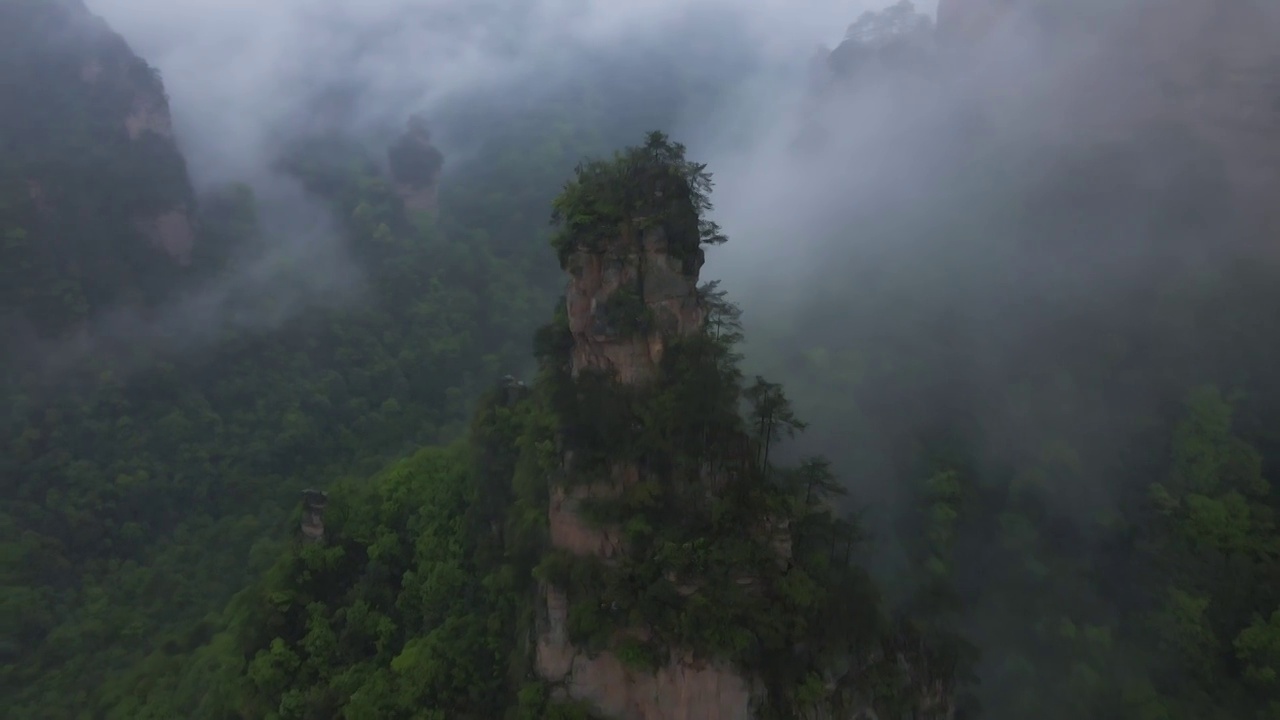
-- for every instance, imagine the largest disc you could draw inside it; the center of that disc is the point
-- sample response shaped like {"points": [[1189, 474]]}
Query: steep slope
{"points": [[95, 203], [147, 485], [144, 486], [415, 167], [628, 300], [685, 574]]}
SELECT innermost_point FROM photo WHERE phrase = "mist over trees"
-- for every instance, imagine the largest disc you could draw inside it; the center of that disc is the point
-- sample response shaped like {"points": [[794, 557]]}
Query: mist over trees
{"points": [[1015, 270]]}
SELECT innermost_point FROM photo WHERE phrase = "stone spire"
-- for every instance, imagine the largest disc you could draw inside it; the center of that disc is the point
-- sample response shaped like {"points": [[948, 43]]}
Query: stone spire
{"points": [[629, 296], [634, 277]]}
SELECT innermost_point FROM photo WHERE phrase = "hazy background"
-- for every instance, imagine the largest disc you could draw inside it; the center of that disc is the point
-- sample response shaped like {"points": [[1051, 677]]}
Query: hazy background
{"points": [[997, 263], [1012, 262], [239, 73], [246, 78], [911, 224]]}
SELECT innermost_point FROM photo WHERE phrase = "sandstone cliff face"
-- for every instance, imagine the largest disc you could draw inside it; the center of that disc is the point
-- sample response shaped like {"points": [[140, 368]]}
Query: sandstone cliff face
{"points": [[415, 167], [666, 287], [78, 100], [111, 71], [683, 690], [171, 232]]}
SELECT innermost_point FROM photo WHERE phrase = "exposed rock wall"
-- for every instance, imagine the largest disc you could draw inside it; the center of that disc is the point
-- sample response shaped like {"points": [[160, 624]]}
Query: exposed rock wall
{"points": [[313, 505], [71, 86], [683, 690], [111, 70], [148, 114], [171, 232], [665, 284], [415, 167], [666, 287]]}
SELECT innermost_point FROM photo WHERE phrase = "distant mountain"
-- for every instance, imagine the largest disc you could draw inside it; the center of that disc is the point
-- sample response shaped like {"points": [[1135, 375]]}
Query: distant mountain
{"points": [[95, 202]]}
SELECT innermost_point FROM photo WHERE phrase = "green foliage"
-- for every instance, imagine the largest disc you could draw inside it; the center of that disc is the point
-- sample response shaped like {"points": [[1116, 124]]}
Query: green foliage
{"points": [[1258, 649], [649, 186], [625, 313], [388, 617], [720, 554], [76, 185], [148, 487], [143, 481], [144, 490]]}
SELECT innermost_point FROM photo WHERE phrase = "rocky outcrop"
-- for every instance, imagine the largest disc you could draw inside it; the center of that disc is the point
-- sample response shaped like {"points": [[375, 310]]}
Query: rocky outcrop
{"points": [[313, 505], [686, 688], [171, 232], [149, 114], [73, 89], [682, 690], [636, 276], [415, 167], [569, 531]]}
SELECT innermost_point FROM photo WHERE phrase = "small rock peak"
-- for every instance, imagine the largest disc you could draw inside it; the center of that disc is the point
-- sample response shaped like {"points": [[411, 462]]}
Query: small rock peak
{"points": [[415, 166], [119, 104], [172, 233], [631, 244], [627, 300], [150, 113], [313, 505], [894, 39], [513, 390]]}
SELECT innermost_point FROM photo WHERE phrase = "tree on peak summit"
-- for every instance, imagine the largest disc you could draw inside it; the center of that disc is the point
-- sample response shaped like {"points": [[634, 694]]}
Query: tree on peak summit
{"points": [[643, 186]]}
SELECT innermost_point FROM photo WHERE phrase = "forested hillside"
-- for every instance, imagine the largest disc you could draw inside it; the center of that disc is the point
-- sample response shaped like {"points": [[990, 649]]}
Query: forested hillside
{"points": [[147, 478], [140, 486], [1026, 321], [1054, 326], [96, 198]]}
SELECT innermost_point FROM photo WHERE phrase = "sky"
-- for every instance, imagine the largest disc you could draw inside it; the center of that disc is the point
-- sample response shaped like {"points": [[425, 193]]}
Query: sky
{"points": [[238, 71], [243, 77]]}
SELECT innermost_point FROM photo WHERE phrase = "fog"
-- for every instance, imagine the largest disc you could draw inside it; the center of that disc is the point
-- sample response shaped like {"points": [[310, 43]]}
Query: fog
{"points": [[244, 79], [241, 73], [868, 209], [916, 250]]}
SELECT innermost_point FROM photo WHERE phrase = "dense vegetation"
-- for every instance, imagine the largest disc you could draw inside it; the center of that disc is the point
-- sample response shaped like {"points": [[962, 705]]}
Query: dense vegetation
{"points": [[1066, 359], [782, 602], [145, 486], [208, 452], [149, 478], [72, 181], [419, 600], [1069, 470]]}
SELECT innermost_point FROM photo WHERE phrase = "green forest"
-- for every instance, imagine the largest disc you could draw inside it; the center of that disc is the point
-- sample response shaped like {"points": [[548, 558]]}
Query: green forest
{"points": [[1057, 506]]}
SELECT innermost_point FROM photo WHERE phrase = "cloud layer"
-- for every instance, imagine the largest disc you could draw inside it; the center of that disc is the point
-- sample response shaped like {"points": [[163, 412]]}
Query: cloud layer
{"points": [[239, 72]]}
